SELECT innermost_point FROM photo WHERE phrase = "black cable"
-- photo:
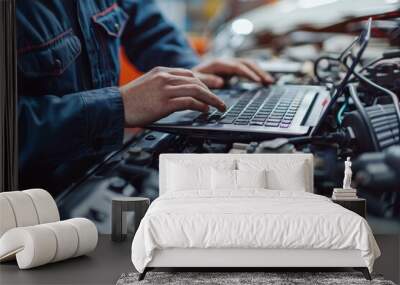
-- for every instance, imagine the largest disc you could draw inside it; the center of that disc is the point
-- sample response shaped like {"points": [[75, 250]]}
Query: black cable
{"points": [[339, 89], [382, 89], [363, 113], [338, 59], [385, 56], [373, 62], [317, 72], [337, 137], [344, 55]]}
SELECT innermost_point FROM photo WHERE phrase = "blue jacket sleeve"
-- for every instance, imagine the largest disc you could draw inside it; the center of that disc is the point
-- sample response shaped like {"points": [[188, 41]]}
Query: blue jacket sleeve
{"points": [[150, 40], [74, 126]]}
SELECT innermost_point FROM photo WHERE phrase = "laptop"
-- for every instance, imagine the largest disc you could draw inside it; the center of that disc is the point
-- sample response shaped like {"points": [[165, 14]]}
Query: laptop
{"points": [[263, 112]]}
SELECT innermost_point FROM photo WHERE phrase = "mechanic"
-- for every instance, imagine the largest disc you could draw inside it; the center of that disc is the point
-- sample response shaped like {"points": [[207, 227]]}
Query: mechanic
{"points": [[70, 107]]}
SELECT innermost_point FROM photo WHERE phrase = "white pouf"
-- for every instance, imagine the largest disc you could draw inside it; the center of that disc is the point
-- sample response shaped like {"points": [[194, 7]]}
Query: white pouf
{"points": [[37, 245], [31, 231]]}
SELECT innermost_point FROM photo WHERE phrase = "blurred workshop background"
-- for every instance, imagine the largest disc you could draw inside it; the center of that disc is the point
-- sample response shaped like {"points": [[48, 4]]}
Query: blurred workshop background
{"points": [[259, 27], [198, 18]]}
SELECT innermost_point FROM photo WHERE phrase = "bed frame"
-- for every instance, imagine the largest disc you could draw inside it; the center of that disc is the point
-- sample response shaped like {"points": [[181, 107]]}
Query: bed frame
{"points": [[245, 258]]}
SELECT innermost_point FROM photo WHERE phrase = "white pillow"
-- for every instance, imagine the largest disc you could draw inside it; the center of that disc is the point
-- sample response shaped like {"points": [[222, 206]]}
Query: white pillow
{"points": [[251, 178], [230, 180], [293, 179], [183, 178], [282, 174], [184, 175], [223, 179]]}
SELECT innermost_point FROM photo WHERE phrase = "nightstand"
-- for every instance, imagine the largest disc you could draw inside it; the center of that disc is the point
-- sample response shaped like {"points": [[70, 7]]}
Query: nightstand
{"points": [[120, 207], [356, 205]]}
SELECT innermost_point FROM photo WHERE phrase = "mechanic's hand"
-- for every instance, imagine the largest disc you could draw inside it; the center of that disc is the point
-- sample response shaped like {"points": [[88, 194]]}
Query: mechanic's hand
{"points": [[163, 91], [210, 72]]}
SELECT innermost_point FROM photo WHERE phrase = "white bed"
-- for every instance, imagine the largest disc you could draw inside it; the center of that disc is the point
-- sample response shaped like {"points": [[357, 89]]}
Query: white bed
{"points": [[248, 227]]}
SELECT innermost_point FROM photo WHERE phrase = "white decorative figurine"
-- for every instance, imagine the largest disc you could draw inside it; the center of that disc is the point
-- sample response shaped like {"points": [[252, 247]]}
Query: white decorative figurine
{"points": [[347, 174]]}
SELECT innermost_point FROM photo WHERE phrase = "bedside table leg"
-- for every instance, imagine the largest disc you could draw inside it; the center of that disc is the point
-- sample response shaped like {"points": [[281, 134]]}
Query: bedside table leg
{"points": [[364, 271], [142, 275], [117, 221]]}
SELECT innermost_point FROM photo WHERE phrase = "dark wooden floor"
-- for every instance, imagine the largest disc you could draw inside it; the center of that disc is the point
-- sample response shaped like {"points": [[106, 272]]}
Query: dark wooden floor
{"points": [[106, 264]]}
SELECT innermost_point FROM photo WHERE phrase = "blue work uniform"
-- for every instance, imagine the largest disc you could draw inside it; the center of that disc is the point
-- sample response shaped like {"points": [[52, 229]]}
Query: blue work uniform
{"points": [[70, 108]]}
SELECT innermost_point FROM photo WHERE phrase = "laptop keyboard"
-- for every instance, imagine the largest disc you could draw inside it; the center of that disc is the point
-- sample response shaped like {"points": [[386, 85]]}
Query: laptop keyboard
{"points": [[264, 107]]}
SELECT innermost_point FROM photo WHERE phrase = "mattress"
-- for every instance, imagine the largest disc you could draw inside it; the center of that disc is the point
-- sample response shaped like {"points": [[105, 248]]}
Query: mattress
{"points": [[250, 219]]}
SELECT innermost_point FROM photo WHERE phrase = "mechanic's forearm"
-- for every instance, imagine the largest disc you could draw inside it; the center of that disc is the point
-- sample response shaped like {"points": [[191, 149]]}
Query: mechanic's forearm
{"points": [[56, 129]]}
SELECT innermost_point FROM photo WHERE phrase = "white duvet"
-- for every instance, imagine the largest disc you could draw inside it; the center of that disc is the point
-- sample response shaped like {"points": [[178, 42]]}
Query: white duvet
{"points": [[250, 219]]}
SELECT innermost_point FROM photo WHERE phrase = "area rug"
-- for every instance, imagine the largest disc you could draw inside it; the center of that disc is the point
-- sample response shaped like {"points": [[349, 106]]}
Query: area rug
{"points": [[244, 278]]}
